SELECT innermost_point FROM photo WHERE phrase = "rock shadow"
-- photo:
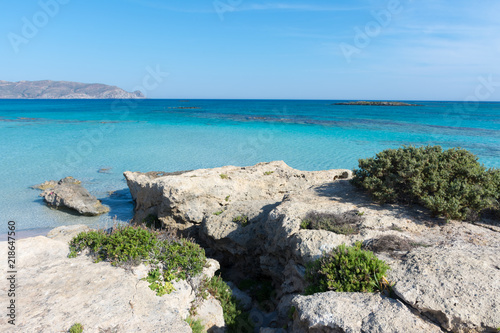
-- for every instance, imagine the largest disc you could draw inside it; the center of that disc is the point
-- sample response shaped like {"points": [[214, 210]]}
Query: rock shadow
{"points": [[120, 203]]}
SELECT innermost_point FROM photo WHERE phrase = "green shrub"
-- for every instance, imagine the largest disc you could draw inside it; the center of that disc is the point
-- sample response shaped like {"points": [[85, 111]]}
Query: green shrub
{"points": [[235, 318], [196, 325], [346, 269], [224, 176], [76, 328], [267, 173], [171, 259], [346, 223], [122, 244], [241, 219], [304, 224], [183, 257], [158, 283], [451, 183]]}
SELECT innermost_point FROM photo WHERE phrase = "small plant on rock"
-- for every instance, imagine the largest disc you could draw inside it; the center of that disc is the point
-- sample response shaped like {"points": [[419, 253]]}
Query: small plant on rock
{"points": [[224, 176], [267, 173], [158, 284], [196, 325], [76, 328], [241, 219], [347, 269]]}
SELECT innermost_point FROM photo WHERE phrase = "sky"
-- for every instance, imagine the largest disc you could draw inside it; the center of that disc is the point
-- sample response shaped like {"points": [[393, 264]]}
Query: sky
{"points": [[246, 49]]}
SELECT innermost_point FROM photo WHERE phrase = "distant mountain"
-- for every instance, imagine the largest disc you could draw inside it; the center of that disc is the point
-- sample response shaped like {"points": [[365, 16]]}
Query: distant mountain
{"points": [[62, 90]]}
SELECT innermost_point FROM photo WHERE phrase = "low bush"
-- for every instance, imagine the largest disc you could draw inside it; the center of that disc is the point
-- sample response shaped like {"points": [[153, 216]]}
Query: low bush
{"points": [[450, 183], [346, 223], [346, 269], [171, 259], [120, 245]]}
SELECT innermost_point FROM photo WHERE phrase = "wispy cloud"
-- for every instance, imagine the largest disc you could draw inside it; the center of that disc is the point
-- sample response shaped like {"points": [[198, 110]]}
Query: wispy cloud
{"points": [[296, 7], [172, 6], [244, 6]]}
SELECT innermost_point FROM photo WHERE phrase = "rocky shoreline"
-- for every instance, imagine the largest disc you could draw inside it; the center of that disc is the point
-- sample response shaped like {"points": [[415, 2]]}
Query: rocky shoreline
{"points": [[445, 275]]}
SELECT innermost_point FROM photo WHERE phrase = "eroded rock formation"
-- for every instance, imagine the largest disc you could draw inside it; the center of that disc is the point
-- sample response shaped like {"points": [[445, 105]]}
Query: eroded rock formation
{"points": [[445, 274]]}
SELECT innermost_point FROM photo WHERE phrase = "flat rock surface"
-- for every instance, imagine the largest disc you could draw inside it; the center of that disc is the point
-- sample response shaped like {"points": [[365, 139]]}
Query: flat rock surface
{"points": [[53, 292], [355, 312], [457, 285], [189, 197]]}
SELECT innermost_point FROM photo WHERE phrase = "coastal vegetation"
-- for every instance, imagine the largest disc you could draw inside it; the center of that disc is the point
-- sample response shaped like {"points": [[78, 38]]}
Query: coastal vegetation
{"points": [[450, 183], [170, 258], [346, 269], [195, 325]]}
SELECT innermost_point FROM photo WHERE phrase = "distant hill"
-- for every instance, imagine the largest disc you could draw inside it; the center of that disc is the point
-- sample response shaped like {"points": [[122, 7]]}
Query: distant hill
{"points": [[62, 90]]}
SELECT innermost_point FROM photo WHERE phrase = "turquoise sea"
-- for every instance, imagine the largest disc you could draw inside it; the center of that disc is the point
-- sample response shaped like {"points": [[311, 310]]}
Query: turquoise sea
{"points": [[51, 139]]}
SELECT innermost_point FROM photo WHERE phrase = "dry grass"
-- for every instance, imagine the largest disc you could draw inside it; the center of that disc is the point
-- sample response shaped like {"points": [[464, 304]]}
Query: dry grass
{"points": [[347, 223]]}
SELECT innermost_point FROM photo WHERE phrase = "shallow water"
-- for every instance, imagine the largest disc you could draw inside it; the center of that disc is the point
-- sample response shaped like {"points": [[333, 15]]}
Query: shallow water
{"points": [[42, 140]]}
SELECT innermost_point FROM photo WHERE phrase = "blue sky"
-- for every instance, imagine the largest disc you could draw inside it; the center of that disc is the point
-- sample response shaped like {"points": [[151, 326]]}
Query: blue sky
{"points": [[415, 50]]}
